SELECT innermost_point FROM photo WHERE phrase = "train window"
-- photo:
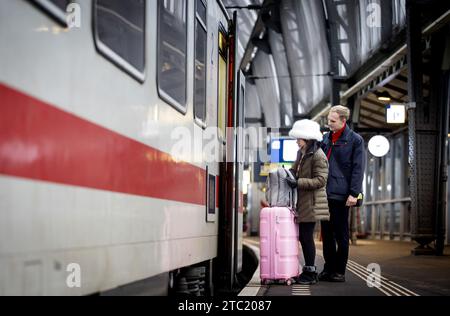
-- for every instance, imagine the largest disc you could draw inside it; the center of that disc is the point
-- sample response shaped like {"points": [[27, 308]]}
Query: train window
{"points": [[201, 10], [172, 47], [211, 198], [222, 88], [57, 8], [120, 34], [200, 62]]}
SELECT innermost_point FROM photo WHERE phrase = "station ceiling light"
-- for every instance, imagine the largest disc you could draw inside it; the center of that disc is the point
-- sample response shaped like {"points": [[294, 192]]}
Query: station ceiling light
{"points": [[383, 96]]}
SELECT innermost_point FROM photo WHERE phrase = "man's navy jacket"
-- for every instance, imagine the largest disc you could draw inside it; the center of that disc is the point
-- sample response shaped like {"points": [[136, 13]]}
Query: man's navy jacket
{"points": [[347, 164]]}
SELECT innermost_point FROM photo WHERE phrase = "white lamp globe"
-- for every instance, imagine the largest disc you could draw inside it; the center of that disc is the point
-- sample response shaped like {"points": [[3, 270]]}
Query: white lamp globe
{"points": [[379, 146]]}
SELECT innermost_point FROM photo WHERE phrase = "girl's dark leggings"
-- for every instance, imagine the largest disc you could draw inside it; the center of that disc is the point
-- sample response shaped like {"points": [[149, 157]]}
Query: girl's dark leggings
{"points": [[306, 231]]}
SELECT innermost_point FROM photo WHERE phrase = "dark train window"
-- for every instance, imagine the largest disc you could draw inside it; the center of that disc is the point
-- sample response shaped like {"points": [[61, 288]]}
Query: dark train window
{"points": [[211, 197], [212, 194], [200, 61], [200, 8], [56, 8], [172, 48], [120, 33]]}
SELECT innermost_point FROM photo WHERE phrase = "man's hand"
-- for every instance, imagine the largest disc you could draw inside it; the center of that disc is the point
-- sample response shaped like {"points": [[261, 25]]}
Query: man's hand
{"points": [[351, 201], [292, 183]]}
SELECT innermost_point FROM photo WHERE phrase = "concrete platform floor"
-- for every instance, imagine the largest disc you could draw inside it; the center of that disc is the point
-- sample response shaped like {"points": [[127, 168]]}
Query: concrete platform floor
{"points": [[402, 274]]}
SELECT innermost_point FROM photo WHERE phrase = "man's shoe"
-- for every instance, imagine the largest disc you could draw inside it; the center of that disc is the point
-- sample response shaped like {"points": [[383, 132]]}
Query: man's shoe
{"points": [[337, 277], [324, 276]]}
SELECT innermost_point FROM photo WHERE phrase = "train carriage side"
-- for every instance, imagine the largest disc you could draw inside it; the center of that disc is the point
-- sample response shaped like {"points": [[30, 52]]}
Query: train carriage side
{"points": [[95, 169]]}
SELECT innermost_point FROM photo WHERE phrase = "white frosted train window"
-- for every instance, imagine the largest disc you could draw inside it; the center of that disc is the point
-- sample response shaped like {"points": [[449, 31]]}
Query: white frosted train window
{"points": [[120, 33], [172, 42]]}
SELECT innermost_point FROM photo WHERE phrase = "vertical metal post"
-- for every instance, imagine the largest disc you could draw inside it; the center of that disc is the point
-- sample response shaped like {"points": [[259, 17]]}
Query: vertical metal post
{"points": [[440, 48], [376, 196], [354, 106], [406, 209], [373, 210], [335, 89], [386, 22], [331, 25], [413, 80], [391, 194], [364, 208], [422, 126], [443, 176]]}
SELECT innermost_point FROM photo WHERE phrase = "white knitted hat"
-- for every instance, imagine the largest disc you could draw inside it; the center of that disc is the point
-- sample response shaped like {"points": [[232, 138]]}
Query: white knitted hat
{"points": [[306, 129]]}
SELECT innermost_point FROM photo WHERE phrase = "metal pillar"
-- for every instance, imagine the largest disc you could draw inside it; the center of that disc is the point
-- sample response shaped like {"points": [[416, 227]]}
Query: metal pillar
{"points": [[332, 21], [421, 221], [386, 23], [423, 126], [376, 213], [440, 81]]}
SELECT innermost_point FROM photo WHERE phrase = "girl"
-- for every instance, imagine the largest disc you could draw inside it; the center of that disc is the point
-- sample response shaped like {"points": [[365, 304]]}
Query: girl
{"points": [[311, 171]]}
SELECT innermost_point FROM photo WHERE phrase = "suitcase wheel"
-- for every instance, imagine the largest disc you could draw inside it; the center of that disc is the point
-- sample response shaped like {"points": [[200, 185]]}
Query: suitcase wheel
{"points": [[289, 282]]}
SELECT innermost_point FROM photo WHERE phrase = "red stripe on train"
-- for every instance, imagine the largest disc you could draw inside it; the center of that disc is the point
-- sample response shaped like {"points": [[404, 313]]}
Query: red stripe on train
{"points": [[39, 141]]}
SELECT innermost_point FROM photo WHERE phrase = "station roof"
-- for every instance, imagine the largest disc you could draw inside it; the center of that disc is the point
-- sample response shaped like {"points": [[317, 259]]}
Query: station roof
{"points": [[290, 50]]}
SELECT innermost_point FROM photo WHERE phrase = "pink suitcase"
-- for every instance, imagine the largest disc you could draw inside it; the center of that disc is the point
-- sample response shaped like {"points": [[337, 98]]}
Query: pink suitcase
{"points": [[279, 247]]}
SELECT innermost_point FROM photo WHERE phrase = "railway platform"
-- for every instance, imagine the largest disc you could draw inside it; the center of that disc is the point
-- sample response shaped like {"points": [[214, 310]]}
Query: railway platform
{"points": [[402, 274]]}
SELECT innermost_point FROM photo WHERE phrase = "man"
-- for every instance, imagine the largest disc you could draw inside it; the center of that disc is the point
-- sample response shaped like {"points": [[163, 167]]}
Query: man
{"points": [[346, 157]]}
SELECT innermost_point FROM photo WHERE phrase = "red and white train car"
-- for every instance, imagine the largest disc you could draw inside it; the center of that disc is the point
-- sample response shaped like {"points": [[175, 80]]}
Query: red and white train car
{"points": [[95, 97]]}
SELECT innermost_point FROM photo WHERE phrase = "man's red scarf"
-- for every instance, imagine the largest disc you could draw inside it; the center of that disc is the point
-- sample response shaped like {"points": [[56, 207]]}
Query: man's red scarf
{"points": [[334, 138]]}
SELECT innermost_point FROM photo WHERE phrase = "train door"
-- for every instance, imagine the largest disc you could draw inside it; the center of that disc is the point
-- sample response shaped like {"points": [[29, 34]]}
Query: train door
{"points": [[234, 138], [230, 116], [239, 165], [448, 161], [224, 263]]}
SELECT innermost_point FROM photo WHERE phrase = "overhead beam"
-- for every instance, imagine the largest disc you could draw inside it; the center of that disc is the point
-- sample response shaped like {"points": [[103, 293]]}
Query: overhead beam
{"points": [[372, 119], [402, 78], [397, 55], [384, 77], [371, 110], [369, 130], [377, 104], [258, 29], [396, 89]]}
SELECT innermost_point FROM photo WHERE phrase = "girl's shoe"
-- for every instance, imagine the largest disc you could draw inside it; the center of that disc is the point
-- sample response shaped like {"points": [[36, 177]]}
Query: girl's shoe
{"points": [[307, 278]]}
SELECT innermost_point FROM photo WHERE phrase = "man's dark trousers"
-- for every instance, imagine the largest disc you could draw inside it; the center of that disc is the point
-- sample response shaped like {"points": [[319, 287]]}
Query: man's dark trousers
{"points": [[336, 231]]}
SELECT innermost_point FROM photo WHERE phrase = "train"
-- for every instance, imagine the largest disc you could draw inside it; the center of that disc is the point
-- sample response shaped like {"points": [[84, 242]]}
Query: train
{"points": [[103, 189]]}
